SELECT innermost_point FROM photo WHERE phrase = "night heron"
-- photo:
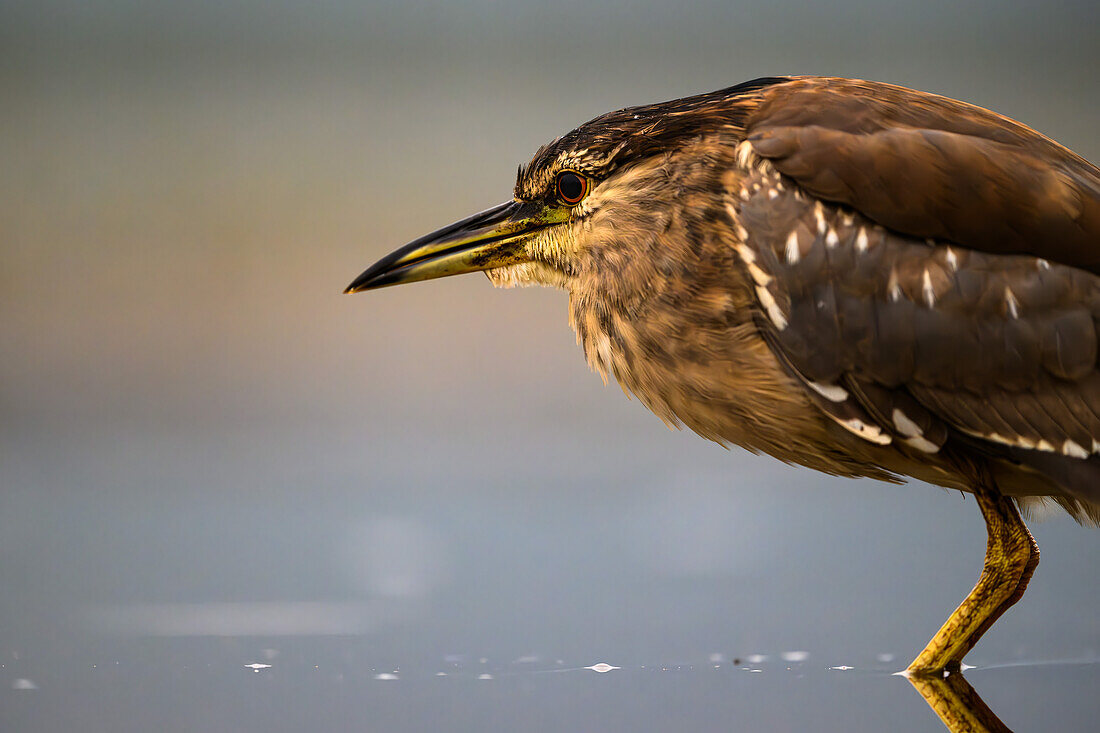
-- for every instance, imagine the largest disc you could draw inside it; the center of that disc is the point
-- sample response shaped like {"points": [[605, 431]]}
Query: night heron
{"points": [[852, 276]]}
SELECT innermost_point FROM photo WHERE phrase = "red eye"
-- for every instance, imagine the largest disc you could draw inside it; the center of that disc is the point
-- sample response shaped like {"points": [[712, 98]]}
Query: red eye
{"points": [[572, 187]]}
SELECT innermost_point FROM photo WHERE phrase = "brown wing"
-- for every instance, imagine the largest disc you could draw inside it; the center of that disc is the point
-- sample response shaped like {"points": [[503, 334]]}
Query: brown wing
{"points": [[913, 343], [932, 167]]}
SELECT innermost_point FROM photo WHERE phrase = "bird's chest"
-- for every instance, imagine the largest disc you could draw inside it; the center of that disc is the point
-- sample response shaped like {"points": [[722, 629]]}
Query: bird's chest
{"points": [[695, 358]]}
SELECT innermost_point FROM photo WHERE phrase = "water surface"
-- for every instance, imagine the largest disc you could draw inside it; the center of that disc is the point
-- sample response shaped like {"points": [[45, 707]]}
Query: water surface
{"points": [[233, 499]]}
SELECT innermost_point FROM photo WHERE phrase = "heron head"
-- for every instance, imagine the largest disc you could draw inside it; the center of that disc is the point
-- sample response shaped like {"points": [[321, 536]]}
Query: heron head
{"points": [[587, 204]]}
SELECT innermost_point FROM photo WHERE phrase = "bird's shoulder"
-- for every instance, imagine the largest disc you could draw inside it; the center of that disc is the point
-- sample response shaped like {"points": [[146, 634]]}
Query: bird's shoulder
{"points": [[928, 166]]}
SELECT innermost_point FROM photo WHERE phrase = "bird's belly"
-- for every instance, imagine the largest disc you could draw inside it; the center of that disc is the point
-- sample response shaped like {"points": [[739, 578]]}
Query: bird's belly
{"points": [[696, 368]]}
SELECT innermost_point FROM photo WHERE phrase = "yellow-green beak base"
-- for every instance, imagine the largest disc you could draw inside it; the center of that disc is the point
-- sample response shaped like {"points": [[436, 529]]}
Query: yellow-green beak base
{"points": [[487, 240]]}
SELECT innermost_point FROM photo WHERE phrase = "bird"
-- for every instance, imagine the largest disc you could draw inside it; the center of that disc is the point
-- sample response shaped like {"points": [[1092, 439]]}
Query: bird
{"points": [[847, 275]]}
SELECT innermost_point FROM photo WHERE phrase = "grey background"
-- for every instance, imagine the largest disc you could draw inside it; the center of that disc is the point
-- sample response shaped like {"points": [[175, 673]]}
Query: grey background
{"points": [[209, 458]]}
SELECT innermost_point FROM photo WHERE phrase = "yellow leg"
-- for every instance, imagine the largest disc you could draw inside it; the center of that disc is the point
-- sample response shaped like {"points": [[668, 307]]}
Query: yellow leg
{"points": [[1010, 558]]}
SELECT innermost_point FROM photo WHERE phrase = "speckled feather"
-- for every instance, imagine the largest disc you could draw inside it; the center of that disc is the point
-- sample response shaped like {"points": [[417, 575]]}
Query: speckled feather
{"points": [[856, 277]]}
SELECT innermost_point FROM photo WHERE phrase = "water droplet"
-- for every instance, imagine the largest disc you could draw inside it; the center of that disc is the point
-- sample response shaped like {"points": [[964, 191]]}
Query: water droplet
{"points": [[602, 667]]}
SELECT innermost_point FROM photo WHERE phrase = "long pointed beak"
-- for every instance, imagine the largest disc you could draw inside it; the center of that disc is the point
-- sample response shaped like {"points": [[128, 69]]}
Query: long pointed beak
{"points": [[493, 238]]}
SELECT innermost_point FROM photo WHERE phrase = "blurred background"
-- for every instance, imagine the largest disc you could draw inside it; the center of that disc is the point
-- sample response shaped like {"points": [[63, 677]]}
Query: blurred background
{"points": [[232, 498]]}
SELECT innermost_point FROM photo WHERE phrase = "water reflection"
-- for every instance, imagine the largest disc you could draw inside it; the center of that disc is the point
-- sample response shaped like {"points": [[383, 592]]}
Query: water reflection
{"points": [[957, 704], [340, 681]]}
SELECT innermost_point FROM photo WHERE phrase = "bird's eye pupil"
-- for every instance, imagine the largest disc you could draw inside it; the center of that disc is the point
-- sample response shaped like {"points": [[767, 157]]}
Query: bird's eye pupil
{"points": [[572, 187]]}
